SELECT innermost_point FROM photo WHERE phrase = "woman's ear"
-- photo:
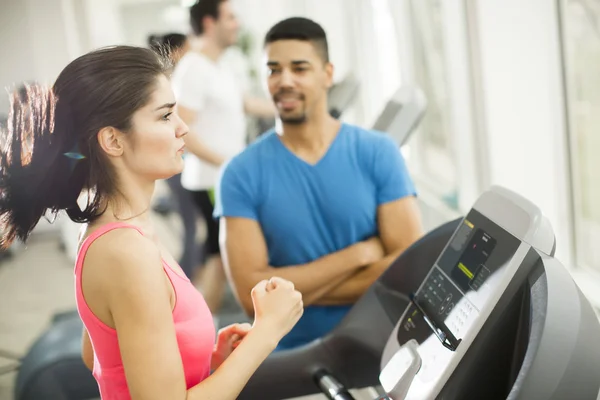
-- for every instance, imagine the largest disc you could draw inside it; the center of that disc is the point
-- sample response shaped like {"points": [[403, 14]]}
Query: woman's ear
{"points": [[111, 141]]}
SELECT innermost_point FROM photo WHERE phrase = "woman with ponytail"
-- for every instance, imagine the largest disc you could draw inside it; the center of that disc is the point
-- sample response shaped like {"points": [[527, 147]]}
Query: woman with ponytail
{"points": [[94, 145]]}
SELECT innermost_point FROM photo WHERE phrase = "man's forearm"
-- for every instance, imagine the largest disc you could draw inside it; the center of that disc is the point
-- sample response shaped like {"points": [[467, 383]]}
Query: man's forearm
{"points": [[313, 279], [314, 296], [197, 147], [351, 289], [259, 107]]}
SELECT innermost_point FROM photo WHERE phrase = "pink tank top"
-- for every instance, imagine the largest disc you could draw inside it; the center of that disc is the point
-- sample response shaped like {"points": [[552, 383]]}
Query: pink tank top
{"points": [[194, 327]]}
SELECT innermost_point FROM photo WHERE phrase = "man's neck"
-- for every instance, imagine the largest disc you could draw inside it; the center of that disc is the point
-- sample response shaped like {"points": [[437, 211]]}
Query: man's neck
{"points": [[310, 140], [209, 48]]}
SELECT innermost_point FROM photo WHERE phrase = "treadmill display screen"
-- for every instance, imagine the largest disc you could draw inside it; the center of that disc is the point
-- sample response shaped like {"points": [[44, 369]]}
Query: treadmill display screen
{"points": [[478, 249], [470, 271]]}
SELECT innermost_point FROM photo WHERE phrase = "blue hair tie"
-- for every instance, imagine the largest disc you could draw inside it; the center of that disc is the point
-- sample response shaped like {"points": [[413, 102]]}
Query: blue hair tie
{"points": [[74, 156]]}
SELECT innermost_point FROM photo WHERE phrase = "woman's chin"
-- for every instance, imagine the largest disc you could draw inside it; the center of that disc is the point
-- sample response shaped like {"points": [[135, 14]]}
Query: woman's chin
{"points": [[172, 172]]}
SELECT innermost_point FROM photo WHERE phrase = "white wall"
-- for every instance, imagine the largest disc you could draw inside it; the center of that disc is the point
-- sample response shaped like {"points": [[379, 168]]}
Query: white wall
{"points": [[104, 22], [257, 16], [460, 90], [38, 40], [361, 37], [524, 106], [53, 36], [16, 48], [140, 20]]}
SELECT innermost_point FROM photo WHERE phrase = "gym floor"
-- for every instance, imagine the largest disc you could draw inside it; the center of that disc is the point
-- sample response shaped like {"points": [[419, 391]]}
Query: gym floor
{"points": [[34, 284]]}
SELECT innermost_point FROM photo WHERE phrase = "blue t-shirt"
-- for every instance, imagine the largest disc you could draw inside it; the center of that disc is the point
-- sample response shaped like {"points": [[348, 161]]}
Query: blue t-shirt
{"points": [[308, 211]]}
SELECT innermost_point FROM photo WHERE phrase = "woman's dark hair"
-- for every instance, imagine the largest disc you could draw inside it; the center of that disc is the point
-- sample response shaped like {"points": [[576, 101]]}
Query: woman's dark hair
{"points": [[50, 153]]}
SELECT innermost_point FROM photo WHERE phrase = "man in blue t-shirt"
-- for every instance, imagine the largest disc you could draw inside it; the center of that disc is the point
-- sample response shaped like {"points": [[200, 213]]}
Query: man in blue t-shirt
{"points": [[323, 204]]}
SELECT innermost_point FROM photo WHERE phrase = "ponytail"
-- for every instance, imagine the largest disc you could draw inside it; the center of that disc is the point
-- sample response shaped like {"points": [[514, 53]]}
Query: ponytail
{"points": [[35, 174], [49, 152]]}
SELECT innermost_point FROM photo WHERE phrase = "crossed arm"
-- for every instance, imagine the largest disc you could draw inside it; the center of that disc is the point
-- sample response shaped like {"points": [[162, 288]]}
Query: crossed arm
{"points": [[400, 226], [338, 278]]}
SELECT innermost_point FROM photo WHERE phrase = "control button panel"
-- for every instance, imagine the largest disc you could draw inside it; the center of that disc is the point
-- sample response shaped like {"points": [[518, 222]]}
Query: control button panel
{"points": [[438, 295], [461, 317], [443, 303]]}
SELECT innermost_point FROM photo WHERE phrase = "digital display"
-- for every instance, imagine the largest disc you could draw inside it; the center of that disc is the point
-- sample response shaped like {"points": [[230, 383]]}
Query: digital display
{"points": [[477, 250], [470, 271]]}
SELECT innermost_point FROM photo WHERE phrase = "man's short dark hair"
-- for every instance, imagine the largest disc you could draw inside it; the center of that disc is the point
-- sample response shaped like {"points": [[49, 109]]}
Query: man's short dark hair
{"points": [[202, 9], [298, 28], [169, 42]]}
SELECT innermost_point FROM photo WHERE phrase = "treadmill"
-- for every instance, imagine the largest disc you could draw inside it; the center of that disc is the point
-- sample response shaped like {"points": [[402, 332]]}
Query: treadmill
{"points": [[342, 94], [477, 309], [402, 113]]}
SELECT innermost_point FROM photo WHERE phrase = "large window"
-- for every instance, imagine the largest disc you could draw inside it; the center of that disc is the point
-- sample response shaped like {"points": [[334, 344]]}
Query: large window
{"points": [[581, 39], [433, 150], [387, 48]]}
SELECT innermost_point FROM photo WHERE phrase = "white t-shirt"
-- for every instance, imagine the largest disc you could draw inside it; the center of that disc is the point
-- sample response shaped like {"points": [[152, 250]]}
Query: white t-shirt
{"points": [[210, 89], [237, 62]]}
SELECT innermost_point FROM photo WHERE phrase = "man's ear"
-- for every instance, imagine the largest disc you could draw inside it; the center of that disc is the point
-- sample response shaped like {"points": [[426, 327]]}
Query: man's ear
{"points": [[208, 23], [111, 141], [329, 69]]}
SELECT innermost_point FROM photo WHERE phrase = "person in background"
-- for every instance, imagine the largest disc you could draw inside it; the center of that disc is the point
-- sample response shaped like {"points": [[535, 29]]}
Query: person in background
{"points": [[175, 45], [214, 107], [101, 137], [325, 204]]}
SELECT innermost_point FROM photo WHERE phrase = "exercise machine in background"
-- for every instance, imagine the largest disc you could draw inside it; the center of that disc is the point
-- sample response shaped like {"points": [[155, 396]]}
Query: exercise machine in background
{"points": [[402, 114]]}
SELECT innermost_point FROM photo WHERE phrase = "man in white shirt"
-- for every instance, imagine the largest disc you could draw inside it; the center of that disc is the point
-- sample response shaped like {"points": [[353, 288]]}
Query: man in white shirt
{"points": [[213, 105]]}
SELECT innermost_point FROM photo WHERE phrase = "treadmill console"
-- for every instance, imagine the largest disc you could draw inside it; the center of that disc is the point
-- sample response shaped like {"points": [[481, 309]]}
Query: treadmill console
{"points": [[461, 282], [459, 293]]}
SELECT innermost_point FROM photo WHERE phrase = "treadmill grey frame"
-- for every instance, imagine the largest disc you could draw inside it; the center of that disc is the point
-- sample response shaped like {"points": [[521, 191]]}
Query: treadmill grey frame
{"points": [[402, 113], [559, 364], [522, 219]]}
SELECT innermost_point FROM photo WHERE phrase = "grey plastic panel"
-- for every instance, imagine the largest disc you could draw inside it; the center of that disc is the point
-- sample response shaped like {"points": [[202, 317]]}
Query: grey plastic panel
{"points": [[517, 215], [484, 371], [342, 94], [563, 358], [402, 113]]}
